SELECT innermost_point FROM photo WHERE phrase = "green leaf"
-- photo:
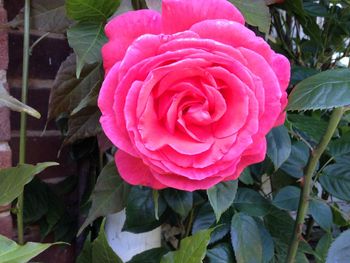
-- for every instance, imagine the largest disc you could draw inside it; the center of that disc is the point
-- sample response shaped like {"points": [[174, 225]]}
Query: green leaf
{"points": [[109, 195], [90, 100], [297, 160], [12, 180], [278, 146], [300, 73], [315, 9], [192, 249], [255, 12], [91, 10], [246, 240], [281, 225], [179, 201], [36, 203], [322, 214], [325, 90], [12, 103], [68, 91], [340, 217], [322, 247], [10, 252], [221, 253], [281, 254], [86, 39], [311, 128], [83, 124], [287, 198], [221, 196], [204, 219], [150, 256], [340, 146], [340, 249], [246, 177], [101, 251], [46, 16], [140, 216], [266, 241], [336, 180], [85, 255], [251, 202]]}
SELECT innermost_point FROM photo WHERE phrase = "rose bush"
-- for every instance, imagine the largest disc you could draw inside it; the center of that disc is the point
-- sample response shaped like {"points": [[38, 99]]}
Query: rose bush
{"points": [[189, 95]]}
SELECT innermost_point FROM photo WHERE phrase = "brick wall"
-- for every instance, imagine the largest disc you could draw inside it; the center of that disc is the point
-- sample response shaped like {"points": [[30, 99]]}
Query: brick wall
{"points": [[5, 133], [41, 147]]}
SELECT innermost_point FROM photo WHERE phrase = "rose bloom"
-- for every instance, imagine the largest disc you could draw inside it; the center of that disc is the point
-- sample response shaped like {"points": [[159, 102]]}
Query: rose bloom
{"points": [[189, 95]]}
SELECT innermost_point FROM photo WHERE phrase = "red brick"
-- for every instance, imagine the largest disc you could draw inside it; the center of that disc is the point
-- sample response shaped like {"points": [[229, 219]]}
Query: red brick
{"points": [[5, 127], [58, 253], [6, 225], [5, 155], [4, 59], [5, 208], [44, 149]]}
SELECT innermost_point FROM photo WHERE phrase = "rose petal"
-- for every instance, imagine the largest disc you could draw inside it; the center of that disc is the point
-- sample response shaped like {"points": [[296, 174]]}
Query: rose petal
{"points": [[118, 136], [135, 172], [124, 29], [180, 15]]}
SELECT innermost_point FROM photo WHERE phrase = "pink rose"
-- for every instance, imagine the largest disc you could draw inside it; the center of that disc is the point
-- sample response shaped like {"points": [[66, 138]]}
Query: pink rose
{"points": [[189, 94]]}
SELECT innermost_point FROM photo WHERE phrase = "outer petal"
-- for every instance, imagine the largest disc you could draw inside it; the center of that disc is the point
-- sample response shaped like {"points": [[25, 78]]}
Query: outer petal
{"points": [[117, 135], [135, 172], [124, 29], [180, 15]]}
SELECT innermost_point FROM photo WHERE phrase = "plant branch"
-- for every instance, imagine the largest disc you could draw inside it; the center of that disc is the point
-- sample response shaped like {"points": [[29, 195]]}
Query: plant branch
{"points": [[23, 124], [309, 172]]}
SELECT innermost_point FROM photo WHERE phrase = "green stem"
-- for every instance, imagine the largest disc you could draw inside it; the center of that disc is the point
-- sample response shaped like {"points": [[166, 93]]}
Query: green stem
{"points": [[305, 193], [189, 223], [23, 124]]}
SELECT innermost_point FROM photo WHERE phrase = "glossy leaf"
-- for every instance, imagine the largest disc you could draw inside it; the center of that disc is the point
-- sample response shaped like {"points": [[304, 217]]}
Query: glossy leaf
{"points": [[339, 252], [322, 247], [246, 177], [321, 213], [140, 210], [12, 180], [91, 10], [287, 198], [221, 253], [204, 219], [67, 91], [246, 240], [255, 12], [295, 164], [109, 195], [179, 201], [308, 127], [12, 103], [149, 256], [278, 146], [83, 124], [192, 249], [336, 180], [10, 252], [340, 146], [101, 251], [326, 90], [86, 39], [251, 202], [221, 196], [266, 241]]}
